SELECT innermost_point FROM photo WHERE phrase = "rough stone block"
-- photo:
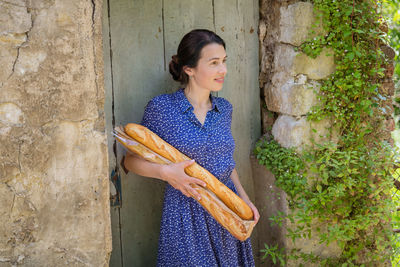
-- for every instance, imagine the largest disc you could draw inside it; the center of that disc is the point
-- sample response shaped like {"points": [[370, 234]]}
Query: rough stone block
{"points": [[7, 58], [292, 132], [288, 64], [284, 56], [283, 66], [292, 98], [13, 39], [6, 204], [11, 114], [14, 17], [296, 23], [319, 68], [54, 195], [29, 61], [9, 44]]}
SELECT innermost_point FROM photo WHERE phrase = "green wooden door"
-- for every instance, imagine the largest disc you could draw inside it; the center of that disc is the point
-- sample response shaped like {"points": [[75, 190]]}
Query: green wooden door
{"points": [[140, 36]]}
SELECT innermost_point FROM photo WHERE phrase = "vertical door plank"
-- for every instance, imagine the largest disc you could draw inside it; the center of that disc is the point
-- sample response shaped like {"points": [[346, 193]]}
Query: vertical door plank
{"points": [[115, 259], [138, 68], [180, 17], [231, 29], [239, 30], [251, 21]]}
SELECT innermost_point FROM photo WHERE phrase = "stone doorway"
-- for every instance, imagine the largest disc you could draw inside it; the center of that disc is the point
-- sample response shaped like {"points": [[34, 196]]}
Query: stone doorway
{"points": [[139, 38]]}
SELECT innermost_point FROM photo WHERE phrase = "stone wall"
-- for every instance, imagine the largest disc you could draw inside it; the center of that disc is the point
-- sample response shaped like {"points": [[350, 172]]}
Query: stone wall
{"points": [[54, 205], [289, 82], [290, 90]]}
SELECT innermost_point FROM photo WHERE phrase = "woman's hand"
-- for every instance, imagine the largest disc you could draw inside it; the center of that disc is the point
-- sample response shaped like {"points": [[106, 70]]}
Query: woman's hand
{"points": [[255, 211], [175, 175]]}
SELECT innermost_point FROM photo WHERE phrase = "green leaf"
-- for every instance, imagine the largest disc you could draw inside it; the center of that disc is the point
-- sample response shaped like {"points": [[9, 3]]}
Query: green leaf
{"points": [[319, 188], [350, 55]]}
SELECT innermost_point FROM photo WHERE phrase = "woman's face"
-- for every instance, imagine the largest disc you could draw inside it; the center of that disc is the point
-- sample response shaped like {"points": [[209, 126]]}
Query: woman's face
{"points": [[210, 70]]}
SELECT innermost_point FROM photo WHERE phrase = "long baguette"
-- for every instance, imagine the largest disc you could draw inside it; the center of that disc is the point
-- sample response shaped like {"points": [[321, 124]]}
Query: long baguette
{"points": [[137, 147], [158, 145], [239, 228]]}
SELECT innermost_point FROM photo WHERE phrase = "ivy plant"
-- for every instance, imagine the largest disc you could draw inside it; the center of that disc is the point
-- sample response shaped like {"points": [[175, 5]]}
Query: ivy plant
{"points": [[338, 192]]}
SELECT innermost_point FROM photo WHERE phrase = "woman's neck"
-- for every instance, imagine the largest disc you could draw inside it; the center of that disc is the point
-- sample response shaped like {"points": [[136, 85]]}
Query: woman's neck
{"points": [[199, 98]]}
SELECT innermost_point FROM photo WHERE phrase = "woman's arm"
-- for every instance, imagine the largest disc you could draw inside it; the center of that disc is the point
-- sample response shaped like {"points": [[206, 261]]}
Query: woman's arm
{"points": [[142, 167], [242, 194], [173, 173], [239, 187]]}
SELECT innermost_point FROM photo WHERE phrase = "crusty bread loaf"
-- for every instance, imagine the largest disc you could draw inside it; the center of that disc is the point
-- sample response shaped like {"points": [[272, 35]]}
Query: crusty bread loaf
{"points": [[156, 144], [137, 147], [239, 228]]}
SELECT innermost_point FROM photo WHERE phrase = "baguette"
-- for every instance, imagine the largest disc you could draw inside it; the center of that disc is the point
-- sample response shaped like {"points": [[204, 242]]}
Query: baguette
{"points": [[137, 147], [239, 228], [156, 144]]}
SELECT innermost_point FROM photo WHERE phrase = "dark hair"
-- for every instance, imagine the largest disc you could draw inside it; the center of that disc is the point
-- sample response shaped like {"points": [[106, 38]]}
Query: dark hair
{"points": [[189, 50]]}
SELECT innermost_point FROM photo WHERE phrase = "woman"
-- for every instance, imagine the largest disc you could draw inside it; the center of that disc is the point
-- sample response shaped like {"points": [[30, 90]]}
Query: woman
{"points": [[199, 125]]}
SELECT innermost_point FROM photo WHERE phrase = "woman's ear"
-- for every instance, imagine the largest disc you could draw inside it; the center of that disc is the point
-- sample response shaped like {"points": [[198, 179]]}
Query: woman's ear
{"points": [[189, 71]]}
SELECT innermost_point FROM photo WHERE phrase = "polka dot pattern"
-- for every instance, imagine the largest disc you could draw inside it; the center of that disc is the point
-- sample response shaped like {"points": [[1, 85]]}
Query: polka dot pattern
{"points": [[189, 235]]}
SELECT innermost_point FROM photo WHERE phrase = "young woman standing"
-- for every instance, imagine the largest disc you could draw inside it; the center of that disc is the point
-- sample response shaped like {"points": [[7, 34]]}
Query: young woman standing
{"points": [[198, 125]]}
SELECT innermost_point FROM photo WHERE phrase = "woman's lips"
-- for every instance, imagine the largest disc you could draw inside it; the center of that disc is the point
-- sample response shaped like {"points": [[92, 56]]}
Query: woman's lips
{"points": [[219, 80]]}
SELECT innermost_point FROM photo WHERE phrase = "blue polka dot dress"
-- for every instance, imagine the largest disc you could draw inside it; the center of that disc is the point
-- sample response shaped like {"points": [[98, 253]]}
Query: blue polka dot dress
{"points": [[189, 235]]}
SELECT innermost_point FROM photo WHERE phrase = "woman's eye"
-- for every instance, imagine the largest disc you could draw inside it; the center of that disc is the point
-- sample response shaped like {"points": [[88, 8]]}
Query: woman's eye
{"points": [[214, 63]]}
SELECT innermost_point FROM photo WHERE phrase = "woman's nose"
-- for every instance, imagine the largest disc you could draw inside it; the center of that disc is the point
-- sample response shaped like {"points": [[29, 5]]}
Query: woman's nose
{"points": [[222, 68]]}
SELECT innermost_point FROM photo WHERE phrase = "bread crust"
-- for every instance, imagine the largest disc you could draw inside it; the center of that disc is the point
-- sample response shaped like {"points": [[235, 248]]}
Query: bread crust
{"points": [[158, 145], [238, 227]]}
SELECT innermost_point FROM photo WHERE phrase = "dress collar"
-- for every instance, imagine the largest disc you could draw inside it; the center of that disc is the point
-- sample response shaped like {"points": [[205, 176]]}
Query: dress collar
{"points": [[184, 104]]}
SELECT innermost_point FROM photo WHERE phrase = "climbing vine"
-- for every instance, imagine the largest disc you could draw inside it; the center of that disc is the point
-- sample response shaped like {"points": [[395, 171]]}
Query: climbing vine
{"points": [[390, 8], [339, 191]]}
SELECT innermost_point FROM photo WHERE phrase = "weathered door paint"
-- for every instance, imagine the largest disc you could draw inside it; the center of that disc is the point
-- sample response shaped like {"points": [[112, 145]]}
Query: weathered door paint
{"points": [[140, 36]]}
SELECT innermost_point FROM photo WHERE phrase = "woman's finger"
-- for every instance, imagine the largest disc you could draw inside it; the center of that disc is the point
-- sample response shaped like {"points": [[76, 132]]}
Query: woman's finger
{"points": [[257, 217], [185, 192], [192, 190], [256, 213], [195, 193], [187, 163], [196, 181]]}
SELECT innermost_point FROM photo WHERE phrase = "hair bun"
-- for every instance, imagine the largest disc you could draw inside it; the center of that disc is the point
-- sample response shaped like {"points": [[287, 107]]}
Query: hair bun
{"points": [[175, 68], [175, 59]]}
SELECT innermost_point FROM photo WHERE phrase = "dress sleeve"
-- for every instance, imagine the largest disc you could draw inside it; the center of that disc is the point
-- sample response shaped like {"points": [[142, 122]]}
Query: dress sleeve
{"points": [[152, 116], [230, 112]]}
